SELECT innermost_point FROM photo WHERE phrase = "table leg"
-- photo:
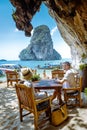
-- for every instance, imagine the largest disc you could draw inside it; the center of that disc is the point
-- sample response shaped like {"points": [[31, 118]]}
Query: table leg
{"points": [[57, 93], [59, 96]]}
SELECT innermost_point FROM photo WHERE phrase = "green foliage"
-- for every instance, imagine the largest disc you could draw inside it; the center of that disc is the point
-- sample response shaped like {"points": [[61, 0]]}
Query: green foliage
{"points": [[35, 77], [85, 91], [83, 56], [14, 15], [82, 66]]}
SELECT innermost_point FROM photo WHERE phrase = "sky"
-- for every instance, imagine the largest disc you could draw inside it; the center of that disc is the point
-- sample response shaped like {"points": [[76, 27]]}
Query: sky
{"points": [[13, 41]]}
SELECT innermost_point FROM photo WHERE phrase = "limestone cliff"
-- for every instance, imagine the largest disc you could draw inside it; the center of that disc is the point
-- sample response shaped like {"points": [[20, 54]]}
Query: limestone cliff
{"points": [[40, 47], [70, 16]]}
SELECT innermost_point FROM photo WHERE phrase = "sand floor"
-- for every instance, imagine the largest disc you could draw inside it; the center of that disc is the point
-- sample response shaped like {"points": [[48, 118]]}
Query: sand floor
{"points": [[9, 114]]}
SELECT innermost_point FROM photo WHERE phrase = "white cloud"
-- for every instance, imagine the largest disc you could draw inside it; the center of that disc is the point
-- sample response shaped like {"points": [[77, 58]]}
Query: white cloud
{"points": [[63, 49], [16, 30], [32, 32], [53, 30]]}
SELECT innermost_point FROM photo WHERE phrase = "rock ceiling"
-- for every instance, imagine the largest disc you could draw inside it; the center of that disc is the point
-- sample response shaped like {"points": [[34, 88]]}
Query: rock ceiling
{"points": [[70, 16]]}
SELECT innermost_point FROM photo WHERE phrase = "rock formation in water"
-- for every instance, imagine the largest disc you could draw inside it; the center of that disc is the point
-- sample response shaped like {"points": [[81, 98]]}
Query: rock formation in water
{"points": [[70, 16], [40, 47]]}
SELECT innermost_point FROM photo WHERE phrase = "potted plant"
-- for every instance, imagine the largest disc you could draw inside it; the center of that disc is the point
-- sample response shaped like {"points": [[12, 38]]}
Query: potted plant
{"points": [[35, 77]]}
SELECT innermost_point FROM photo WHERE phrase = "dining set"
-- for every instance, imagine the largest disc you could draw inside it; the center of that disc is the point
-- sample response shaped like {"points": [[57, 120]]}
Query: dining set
{"points": [[38, 106]]}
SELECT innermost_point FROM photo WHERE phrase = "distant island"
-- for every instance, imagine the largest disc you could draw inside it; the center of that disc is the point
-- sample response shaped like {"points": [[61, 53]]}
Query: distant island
{"points": [[3, 60], [41, 46]]}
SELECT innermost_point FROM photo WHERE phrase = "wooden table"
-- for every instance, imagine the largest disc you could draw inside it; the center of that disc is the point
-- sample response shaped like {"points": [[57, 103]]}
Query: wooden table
{"points": [[49, 84]]}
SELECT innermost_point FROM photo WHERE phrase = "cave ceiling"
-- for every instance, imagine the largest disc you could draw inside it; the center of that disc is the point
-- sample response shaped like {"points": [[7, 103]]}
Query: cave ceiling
{"points": [[70, 17]]}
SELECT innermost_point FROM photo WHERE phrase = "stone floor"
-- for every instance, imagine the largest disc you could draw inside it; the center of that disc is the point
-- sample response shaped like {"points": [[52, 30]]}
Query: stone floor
{"points": [[9, 114]]}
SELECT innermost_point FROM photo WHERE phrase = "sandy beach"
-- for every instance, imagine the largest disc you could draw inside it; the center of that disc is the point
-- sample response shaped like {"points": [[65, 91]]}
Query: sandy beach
{"points": [[9, 114]]}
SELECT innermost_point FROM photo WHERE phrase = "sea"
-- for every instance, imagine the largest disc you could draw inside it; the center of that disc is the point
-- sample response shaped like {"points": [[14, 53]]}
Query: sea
{"points": [[34, 65]]}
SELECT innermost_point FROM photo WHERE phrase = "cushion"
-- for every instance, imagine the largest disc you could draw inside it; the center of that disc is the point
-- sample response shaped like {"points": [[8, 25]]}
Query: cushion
{"points": [[43, 105]]}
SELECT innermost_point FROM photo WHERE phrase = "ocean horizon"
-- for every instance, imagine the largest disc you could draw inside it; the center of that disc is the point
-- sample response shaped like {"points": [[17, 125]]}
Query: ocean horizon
{"points": [[33, 64]]}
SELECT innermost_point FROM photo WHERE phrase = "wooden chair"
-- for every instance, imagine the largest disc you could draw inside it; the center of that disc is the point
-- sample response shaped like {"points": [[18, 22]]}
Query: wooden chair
{"points": [[73, 95], [28, 102], [12, 76], [58, 73]]}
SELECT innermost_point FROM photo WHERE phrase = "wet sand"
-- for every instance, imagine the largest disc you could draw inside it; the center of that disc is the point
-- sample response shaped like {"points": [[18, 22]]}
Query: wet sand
{"points": [[9, 114]]}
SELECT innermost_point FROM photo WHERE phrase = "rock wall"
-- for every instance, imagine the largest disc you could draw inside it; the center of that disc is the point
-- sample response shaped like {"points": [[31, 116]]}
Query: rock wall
{"points": [[71, 19], [70, 16]]}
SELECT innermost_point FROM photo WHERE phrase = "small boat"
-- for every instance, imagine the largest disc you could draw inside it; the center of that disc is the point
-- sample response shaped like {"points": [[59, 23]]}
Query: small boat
{"points": [[48, 66], [10, 67]]}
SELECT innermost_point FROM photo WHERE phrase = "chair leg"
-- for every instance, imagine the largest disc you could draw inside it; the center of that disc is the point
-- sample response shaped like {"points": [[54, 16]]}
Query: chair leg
{"points": [[11, 83], [48, 113], [80, 101], [21, 117], [7, 83], [36, 121], [65, 98]]}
